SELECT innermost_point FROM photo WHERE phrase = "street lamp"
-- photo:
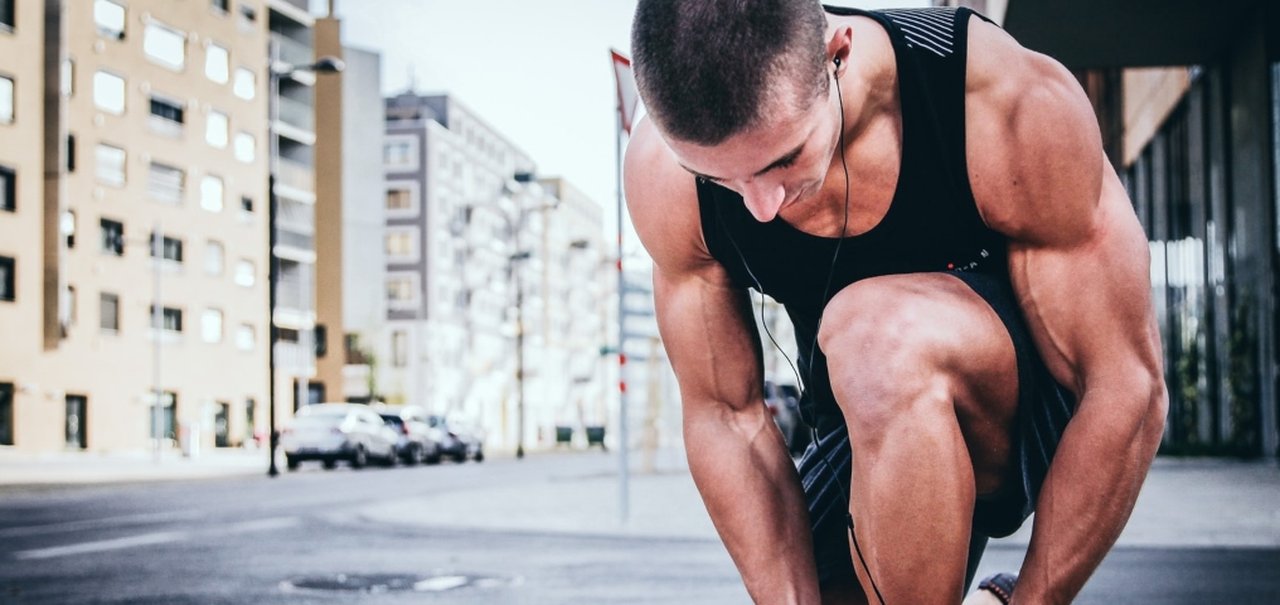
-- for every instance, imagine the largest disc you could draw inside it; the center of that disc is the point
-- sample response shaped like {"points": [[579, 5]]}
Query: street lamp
{"points": [[515, 224], [275, 72]]}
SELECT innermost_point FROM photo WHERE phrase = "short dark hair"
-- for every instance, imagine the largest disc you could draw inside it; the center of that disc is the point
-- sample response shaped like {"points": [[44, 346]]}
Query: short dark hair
{"points": [[707, 68]]}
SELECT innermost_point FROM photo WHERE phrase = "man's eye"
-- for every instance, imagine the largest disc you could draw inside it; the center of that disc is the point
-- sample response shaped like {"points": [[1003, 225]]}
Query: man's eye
{"points": [[787, 163]]}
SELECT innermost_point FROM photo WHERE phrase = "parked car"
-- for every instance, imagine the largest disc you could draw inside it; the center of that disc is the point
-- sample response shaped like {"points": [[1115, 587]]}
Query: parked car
{"points": [[458, 440], [783, 401], [416, 441], [330, 432]]}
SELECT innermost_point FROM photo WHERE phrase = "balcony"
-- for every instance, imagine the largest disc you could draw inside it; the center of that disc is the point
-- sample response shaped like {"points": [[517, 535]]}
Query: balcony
{"points": [[297, 114], [296, 176], [291, 295], [292, 358], [291, 51], [294, 240]]}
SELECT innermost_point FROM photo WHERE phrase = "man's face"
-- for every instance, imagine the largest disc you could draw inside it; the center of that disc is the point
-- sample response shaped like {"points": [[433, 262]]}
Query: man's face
{"points": [[783, 159]]}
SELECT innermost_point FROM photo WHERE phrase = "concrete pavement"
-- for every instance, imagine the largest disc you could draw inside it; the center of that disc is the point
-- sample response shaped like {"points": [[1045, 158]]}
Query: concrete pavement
{"points": [[1185, 502]]}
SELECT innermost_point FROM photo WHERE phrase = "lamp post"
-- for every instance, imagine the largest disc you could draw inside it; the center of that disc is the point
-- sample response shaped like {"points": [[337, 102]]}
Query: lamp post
{"points": [[515, 224], [275, 72]]}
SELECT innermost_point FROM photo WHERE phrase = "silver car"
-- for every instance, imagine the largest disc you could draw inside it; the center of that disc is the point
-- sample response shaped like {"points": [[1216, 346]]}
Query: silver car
{"points": [[330, 432]]}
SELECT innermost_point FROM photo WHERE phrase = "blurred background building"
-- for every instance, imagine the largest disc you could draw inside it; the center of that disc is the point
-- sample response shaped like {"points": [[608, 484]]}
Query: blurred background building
{"points": [[127, 125], [1188, 96]]}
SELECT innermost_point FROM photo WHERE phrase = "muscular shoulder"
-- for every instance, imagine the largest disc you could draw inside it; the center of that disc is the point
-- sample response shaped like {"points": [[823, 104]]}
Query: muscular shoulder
{"points": [[1033, 145], [663, 202]]}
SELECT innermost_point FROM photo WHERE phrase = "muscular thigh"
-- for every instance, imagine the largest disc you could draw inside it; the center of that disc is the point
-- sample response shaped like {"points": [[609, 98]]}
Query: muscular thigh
{"points": [[895, 330]]}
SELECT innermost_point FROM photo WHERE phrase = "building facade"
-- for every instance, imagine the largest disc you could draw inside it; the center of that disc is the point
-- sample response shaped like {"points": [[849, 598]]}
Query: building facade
{"points": [[137, 235]]}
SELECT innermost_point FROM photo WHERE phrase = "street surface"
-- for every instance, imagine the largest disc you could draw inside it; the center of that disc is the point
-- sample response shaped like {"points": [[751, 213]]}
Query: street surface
{"points": [[455, 534]]}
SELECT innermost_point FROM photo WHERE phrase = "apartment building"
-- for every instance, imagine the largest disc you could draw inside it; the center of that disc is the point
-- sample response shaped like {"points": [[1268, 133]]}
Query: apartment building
{"points": [[452, 214], [22, 257], [139, 260]]}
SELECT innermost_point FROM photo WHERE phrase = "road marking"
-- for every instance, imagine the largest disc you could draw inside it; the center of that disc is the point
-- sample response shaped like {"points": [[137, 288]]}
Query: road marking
{"points": [[150, 539], [70, 526], [102, 545], [440, 583]]}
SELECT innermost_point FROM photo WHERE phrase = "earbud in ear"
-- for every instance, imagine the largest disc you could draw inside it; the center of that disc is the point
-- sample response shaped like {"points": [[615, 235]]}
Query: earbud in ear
{"points": [[836, 61]]}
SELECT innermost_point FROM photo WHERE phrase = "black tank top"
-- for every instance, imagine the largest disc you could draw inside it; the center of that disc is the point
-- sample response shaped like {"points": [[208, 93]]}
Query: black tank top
{"points": [[932, 223]]}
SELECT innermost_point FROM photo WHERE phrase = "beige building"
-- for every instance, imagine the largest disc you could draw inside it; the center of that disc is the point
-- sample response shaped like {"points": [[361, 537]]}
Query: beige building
{"points": [[151, 117]]}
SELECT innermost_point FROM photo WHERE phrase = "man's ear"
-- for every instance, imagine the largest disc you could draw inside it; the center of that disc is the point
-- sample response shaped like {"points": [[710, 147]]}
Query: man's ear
{"points": [[839, 47]]}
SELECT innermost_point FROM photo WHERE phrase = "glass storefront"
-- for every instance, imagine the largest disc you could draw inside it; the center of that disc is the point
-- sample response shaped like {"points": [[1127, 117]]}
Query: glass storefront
{"points": [[1206, 260]]}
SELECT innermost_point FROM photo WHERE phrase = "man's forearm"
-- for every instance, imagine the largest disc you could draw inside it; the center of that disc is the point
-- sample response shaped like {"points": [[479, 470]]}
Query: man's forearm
{"points": [[1089, 493], [752, 492]]}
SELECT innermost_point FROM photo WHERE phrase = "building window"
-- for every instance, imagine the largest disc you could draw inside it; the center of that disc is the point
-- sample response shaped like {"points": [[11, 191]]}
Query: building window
{"points": [[6, 413], [170, 248], [245, 147], [6, 14], [246, 339], [112, 237], [217, 64], [108, 92], [247, 14], [167, 117], [110, 164], [222, 5], [71, 153], [402, 199], [8, 286], [214, 258], [166, 410], [166, 183], [69, 307], [399, 348], [8, 189], [68, 77], [68, 227], [211, 192], [402, 290], [211, 326], [216, 128], [6, 100], [244, 85], [109, 17], [109, 312], [165, 45], [245, 274], [400, 153], [170, 319], [246, 207], [402, 244]]}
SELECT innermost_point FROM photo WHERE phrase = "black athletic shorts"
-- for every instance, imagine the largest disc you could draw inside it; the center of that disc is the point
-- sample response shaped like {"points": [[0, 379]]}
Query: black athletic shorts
{"points": [[1044, 408]]}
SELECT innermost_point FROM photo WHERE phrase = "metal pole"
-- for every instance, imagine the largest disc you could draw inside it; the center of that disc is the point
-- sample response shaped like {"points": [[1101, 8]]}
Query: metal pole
{"points": [[515, 268], [157, 320], [624, 472], [273, 270]]}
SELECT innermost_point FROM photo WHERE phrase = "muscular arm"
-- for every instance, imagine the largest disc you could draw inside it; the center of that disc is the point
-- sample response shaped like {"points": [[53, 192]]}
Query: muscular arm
{"points": [[1080, 265], [736, 455]]}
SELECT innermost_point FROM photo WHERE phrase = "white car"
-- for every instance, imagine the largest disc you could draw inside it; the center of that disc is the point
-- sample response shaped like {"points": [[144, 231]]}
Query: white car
{"points": [[330, 432]]}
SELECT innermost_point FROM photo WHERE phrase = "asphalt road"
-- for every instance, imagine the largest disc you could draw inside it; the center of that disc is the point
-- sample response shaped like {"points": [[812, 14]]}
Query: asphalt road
{"points": [[301, 539]]}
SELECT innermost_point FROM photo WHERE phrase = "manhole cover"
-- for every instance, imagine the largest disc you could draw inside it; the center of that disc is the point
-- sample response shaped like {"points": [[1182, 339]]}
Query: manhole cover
{"points": [[380, 583]]}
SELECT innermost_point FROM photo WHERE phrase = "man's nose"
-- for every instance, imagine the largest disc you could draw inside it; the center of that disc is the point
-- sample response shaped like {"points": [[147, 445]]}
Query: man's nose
{"points": [[763, 199]]}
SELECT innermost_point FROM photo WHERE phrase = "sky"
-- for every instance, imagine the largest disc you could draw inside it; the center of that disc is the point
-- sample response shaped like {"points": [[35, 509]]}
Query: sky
{"points": [[538, 71]]}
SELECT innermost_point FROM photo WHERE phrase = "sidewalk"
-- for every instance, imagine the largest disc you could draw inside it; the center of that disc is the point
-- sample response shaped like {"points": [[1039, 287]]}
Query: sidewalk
{"points": [[1184, 503], [67, 468]]}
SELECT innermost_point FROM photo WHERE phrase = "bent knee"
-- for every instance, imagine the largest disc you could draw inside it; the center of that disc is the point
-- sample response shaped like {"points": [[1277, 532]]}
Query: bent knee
{"points": [[884, 351]]}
